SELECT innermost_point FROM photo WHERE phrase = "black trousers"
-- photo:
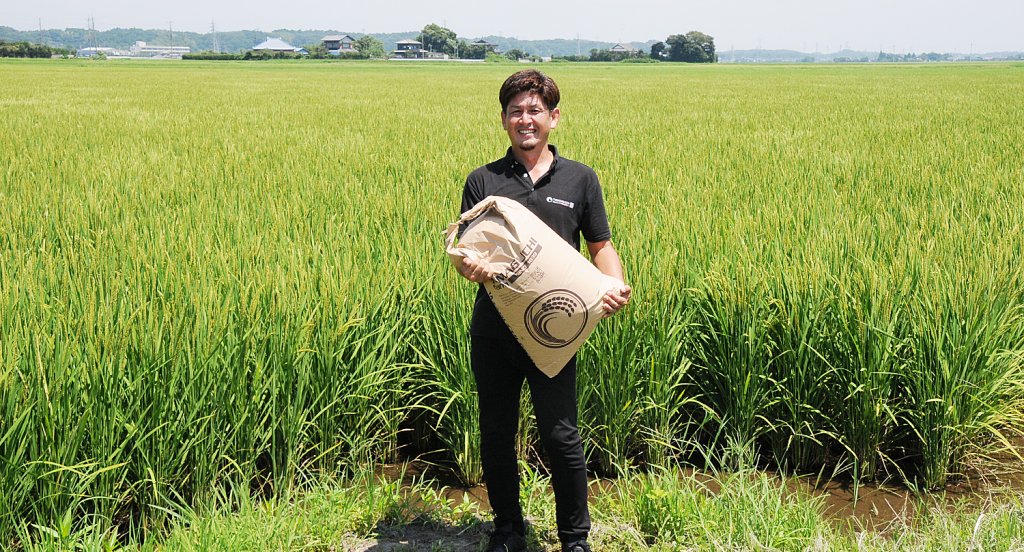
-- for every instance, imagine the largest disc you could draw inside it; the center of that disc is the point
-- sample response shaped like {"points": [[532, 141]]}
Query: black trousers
{"points": [[500, 366]]}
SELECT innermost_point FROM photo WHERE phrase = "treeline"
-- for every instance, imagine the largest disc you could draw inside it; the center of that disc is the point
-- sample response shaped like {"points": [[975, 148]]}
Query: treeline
{"points": [[692, 47], [29, 50], [267, 55], [248, 55], [237, 41]]}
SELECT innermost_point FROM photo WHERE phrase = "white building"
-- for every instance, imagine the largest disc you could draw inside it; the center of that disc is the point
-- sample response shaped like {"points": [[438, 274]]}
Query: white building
{"points": [[277, 45], [141, 49], [95, 50]]}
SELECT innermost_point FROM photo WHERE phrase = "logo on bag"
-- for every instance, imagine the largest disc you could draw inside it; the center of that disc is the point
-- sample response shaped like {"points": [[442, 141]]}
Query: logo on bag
{"points": [[519, 266], [556, 318]]}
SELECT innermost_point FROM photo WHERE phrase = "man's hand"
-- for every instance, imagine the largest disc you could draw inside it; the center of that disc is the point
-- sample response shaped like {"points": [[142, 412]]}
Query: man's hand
{"points": [[615, 299], [475, 271]]}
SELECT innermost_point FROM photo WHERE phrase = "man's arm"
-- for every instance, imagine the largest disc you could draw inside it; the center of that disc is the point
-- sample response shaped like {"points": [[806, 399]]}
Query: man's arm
{"points": [[607, 260]]}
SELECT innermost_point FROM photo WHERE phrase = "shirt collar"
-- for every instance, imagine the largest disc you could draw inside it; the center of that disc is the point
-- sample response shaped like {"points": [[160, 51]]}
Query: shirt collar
{"points": [[511, 163]]}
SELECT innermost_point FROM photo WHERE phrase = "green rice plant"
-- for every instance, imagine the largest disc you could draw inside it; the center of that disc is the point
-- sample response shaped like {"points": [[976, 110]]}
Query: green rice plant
{"points": [[447, 384], [208, 287], [964, 385], [731, 350], [669, 412], [610, 380], [527, 434], [804, 378], [870, 353]]}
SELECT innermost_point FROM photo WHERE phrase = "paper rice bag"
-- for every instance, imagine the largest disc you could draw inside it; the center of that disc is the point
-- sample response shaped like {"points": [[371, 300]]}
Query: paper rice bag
{"points": [[547, 292]]}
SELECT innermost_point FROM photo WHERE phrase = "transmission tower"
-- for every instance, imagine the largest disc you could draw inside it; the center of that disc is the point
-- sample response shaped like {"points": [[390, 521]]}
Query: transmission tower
{"points": [[216, 41]]}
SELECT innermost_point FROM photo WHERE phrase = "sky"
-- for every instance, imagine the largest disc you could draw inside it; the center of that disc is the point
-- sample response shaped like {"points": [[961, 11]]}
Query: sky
{"points": [[811, 26]]}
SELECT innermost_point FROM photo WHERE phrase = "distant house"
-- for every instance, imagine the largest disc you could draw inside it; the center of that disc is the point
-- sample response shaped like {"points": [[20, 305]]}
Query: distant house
{"points": [[277, 45], [622, 48], [487, 46], [409, 49], [339, 44]]}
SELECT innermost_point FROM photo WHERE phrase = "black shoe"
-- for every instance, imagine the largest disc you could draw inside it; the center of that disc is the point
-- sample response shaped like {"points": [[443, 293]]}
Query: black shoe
{"points": [[506, 541], [578, 546]]}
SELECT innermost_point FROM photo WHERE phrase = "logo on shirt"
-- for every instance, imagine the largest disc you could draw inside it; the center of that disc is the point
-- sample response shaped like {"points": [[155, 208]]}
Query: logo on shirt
{"points": [[561, 202], [556, 318]]}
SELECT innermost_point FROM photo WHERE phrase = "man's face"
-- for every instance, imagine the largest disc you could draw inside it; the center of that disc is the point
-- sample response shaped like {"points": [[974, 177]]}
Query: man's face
{"points": [[528, 121]]}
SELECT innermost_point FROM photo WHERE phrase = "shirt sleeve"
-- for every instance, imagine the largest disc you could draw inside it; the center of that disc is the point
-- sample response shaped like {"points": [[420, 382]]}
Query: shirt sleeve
{"points": [[472, 192], [595, 226]]}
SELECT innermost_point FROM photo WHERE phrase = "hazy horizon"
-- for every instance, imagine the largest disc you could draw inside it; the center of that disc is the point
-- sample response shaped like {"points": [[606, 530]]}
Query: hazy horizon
{"points": [[872, 25]]}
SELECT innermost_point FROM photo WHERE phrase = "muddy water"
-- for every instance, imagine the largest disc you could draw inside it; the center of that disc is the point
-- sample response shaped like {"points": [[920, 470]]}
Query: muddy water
{"points": [[868, 506]]}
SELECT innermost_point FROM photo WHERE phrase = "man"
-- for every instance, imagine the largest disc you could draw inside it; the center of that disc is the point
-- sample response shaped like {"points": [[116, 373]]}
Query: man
{"points": [[567, 196]]}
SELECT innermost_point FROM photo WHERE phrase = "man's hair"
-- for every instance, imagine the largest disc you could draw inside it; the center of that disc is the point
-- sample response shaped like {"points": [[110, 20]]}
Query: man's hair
{"points": [[529, 80]]}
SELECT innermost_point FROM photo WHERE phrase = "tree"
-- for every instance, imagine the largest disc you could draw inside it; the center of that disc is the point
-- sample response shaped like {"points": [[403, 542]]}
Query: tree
{"points": [[515, 54], [436, 38], [658, 51], [678, 48], [369, 47], [693, 47], [472, 51], [24, 49], [706, 44], [317, 51]]}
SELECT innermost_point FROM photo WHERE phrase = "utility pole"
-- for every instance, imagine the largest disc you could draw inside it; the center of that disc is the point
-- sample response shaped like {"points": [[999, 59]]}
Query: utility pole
{"points": [[41, 39], [216, 41], [170, 31]]}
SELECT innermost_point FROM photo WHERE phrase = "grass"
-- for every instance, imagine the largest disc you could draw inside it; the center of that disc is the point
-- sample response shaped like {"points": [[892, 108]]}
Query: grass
{"points": [[644, 512], [218, 276]]}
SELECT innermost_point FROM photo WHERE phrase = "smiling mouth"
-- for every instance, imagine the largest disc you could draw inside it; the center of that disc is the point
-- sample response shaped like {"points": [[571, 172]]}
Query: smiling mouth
{"points": [[528, 131]]}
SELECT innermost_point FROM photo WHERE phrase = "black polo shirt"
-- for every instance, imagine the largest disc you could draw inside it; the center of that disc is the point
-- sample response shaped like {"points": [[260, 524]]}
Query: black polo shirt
{"points": [[567, 198]]}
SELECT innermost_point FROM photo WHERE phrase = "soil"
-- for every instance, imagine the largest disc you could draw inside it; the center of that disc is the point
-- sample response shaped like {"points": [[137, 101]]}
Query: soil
{"points": [[417, 538]]}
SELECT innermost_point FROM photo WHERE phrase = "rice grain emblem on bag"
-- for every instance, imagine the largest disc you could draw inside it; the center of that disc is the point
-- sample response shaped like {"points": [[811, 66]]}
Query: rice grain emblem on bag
{"points": [[557, 313], [548, 294]]}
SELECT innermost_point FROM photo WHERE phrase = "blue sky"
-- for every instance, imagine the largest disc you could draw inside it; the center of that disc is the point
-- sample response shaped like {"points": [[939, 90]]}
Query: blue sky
{"points": [[901, 26]]}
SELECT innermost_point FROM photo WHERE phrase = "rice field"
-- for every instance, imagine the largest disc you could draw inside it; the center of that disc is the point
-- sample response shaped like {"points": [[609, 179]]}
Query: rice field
{"points": [[219, 275]]}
